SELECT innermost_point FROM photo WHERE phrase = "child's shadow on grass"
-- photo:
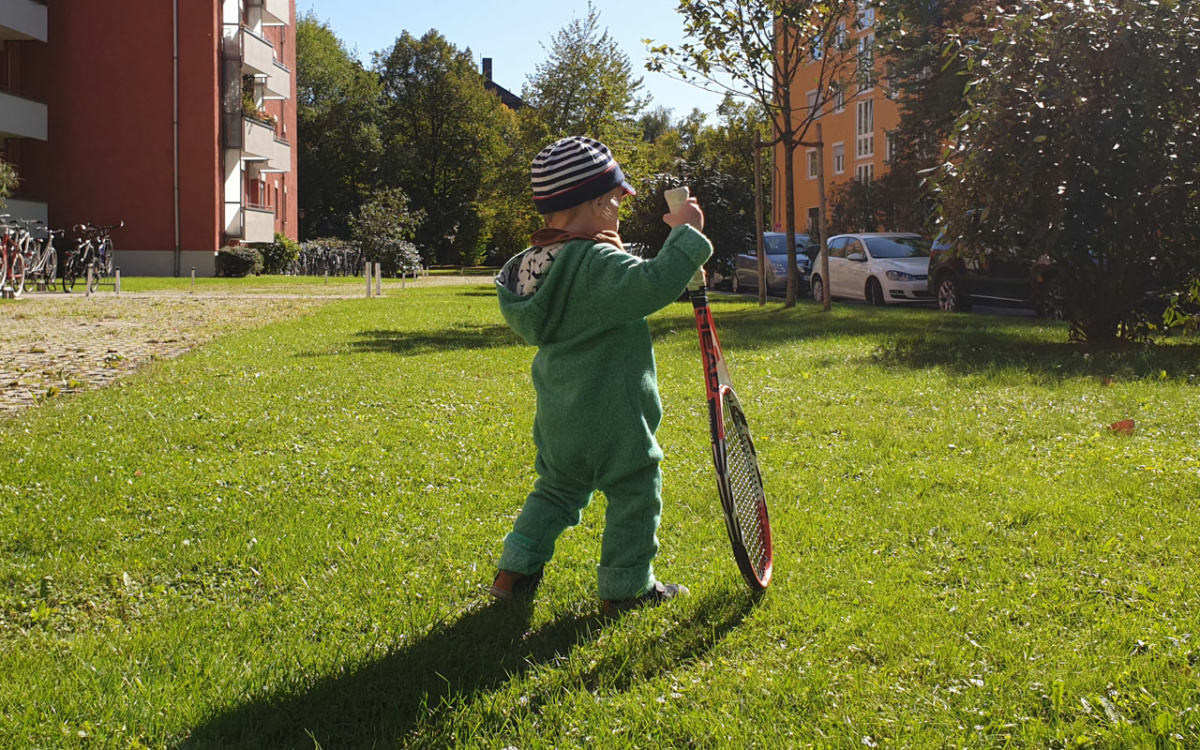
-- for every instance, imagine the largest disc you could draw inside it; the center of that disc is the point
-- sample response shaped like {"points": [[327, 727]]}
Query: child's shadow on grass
{"points": [[404, 697]]}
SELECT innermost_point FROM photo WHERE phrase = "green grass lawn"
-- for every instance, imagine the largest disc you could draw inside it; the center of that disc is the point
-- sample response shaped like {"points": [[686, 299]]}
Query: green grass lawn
{"points": [[283, 539]]}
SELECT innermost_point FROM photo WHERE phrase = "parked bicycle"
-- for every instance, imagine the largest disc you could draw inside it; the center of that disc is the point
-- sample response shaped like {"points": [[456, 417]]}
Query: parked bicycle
{"points": [[12, 261], [93, 248], [41, 257]]}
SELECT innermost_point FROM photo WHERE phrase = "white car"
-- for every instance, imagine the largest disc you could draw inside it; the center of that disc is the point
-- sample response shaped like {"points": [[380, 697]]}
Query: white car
{"points": [[878, 267]]}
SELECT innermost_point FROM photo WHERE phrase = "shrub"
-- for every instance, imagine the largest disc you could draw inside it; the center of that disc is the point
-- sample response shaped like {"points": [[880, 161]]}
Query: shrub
{"points": [[239, 261], [279, 256]]}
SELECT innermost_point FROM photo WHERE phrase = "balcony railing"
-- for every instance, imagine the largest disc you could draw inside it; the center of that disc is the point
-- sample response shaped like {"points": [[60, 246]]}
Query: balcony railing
{"points": [[276, 11], [259, 143], [22, 118], [258, 55], [258, 225], [23, 20]]}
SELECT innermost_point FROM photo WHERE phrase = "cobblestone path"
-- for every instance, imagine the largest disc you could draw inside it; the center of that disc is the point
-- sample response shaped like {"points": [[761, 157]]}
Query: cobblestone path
{"points": [[54, 344]]}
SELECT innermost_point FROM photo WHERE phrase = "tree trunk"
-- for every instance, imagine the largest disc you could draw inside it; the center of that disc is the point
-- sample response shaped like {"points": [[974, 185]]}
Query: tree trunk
{"points": [[758, 222], [789, 209], [827, 302]]}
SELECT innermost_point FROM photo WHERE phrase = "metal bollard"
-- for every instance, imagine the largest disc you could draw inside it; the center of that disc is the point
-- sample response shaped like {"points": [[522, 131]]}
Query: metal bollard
{"points": [[88, 285], [193, 280], [378, 279], [117, 288], [367, 273]]}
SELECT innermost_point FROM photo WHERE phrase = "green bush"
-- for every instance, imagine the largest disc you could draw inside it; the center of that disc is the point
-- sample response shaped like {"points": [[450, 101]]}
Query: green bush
{"points": [[239, 261], [8, 180], [279, 256]]}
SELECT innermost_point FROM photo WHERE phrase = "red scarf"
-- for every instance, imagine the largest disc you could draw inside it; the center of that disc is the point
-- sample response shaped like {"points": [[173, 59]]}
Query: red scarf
{"points": [[547, 236]]}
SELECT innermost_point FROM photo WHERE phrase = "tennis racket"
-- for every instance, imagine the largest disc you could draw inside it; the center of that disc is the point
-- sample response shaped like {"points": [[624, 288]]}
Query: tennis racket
{"points": [[738, 478]]}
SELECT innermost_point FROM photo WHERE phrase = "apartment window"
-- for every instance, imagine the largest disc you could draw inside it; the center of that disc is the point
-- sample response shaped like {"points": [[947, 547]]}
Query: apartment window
{"points": [[865, 172], [812, 104], [890, 89], [811, 156], [866, 16], [864, 140], [839, 158], [818, 50], [866, 62], [839, 98], [840, 39], [814, 221], [889, 146]]}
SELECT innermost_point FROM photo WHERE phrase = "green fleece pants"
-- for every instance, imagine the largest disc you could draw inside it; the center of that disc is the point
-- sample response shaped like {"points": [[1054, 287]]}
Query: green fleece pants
{"points": [[630, 527]]}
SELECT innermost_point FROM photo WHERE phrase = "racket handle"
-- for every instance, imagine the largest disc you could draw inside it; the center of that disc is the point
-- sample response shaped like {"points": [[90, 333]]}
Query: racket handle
{"points": [[676, 197]]}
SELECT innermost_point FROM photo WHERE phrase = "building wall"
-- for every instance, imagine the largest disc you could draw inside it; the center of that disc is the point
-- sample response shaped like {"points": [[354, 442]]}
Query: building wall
{"points": [[837, 128], [107, 76]]}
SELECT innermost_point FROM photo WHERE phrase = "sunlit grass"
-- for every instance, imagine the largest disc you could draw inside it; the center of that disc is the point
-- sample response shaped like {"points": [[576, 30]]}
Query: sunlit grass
{"points": [[283, 539]]}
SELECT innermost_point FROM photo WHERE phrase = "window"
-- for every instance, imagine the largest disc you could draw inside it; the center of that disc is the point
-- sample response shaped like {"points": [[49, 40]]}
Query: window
{"points": [[839, 98], [864, 141], [811, 155], [839, 158], [812, 104], [866, 15], [865, 172], [837, 247], [818, 50], [840, 39], [889, 146], [814, 221], [890, 87], [866, 62]]}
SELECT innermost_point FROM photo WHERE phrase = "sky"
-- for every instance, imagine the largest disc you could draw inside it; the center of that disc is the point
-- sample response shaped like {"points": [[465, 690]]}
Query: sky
{"points": [[515, 34]]}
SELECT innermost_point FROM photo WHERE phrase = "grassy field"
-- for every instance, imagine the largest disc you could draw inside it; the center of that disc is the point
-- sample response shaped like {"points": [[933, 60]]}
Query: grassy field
{"points": [[283, 539]]}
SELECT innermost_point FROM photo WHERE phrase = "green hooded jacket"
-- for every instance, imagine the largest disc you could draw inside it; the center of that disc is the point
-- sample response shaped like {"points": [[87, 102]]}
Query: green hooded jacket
{"points": [[594, 373]]}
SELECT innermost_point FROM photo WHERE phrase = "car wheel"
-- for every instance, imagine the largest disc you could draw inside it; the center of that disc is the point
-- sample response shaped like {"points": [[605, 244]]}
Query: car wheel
{"points": [[1052, 301], [875, 293], [950, 295], [818, 289], [734, 286]]}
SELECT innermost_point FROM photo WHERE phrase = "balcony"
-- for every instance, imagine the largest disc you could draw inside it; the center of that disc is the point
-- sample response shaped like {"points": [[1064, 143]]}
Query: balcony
{"points": [[279, 83], [21, 118], [258, 55], [258, 225], [276, 11], [260, 144], [25, 20]]}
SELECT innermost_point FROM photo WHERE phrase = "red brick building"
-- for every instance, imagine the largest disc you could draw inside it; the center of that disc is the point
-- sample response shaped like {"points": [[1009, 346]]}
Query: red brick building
{"points": [[177, 117]]}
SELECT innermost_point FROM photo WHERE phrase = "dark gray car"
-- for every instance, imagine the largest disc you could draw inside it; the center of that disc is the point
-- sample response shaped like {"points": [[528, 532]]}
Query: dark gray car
{"points": [[745, 269]]}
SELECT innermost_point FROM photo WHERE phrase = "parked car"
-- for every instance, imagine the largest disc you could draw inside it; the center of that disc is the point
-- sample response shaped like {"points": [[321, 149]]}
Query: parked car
{"points": [[745, 267], [878, 267], [961, 278]]}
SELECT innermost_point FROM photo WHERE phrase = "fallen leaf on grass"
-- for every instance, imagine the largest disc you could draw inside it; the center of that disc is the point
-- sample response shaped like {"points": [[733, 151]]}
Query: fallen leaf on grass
{"points": [[1125, 426]]}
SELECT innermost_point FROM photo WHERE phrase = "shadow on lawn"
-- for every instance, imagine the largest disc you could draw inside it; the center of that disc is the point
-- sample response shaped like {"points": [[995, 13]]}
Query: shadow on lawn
{"points": [[457, 336], [405, 698], [955, 343]]}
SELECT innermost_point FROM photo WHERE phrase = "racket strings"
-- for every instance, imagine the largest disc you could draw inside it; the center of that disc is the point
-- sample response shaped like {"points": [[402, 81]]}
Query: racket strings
{"points": [[746, 487]]}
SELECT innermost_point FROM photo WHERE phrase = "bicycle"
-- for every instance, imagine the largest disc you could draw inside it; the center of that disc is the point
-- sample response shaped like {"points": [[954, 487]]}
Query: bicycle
{"points": [[93, 247], [12, 261], [41, 257]]}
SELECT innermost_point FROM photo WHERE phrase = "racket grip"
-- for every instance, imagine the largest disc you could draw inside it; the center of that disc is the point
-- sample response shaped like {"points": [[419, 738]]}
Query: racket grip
{"points": [[676, 197]]}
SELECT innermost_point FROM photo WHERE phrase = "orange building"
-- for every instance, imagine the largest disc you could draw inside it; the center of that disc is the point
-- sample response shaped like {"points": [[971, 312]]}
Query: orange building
{"points": [[177, 117], [856, 126]]}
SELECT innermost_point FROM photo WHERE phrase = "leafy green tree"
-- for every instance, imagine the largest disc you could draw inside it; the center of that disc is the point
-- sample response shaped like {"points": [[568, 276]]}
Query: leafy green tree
{"points": [[337, 119], [384, 228], [1083, 144], [586, 86], [761, 50], [8, 181], [444, 136]]}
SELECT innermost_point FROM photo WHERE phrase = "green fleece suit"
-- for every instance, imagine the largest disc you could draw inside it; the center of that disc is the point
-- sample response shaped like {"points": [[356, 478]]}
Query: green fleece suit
{"points": [[597, 401]]}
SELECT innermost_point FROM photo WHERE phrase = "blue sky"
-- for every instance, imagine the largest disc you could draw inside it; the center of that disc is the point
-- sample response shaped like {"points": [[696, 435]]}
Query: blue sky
{"points": [[514, 33]]}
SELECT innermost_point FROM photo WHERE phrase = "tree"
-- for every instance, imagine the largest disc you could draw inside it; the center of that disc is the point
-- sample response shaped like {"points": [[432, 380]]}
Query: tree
{"points": [[8, 181], [337, 119], [383, 229], [1083, 144], [586, 86], [761, 49], [444, 138]]}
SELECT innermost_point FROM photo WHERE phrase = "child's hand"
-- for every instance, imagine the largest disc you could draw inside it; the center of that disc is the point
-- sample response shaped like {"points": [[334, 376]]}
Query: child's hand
{"points": [[688, 213]]}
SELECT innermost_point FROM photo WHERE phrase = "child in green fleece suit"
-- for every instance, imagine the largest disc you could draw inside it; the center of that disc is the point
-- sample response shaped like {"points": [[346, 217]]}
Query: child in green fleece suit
{"points": [[583, 301]]}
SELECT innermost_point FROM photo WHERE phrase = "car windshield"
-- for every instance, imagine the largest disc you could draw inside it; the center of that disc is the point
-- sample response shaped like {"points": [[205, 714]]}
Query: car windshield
{"points": [[898, 247], [776, 244]]}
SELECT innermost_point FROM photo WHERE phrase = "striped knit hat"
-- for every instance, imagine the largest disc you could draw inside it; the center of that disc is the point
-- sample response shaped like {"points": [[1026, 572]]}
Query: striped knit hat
{"points": [[574, 170]]}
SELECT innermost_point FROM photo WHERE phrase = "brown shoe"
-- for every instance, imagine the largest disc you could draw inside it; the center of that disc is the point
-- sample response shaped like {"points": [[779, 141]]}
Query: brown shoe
{"points": [[510, 585], [656, 595]]}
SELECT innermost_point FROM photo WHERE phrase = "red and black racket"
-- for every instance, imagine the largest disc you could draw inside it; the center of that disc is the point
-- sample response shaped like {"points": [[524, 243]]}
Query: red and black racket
{"points": [[738, 477]]}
